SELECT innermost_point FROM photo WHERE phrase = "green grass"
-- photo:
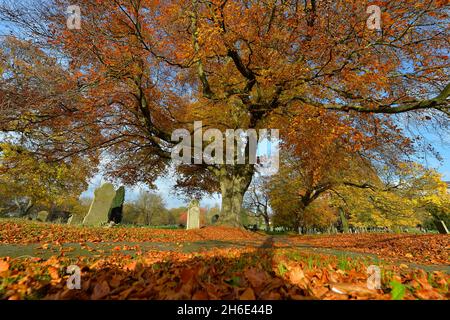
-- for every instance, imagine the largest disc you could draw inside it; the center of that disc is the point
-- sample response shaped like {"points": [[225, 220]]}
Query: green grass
{"points": [[398, 290], [282, 269], [311, 262], [344, 263]]}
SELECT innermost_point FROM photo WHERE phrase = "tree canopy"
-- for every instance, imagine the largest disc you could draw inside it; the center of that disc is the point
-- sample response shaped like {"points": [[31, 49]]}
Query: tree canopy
{"points": [[138, 69]]}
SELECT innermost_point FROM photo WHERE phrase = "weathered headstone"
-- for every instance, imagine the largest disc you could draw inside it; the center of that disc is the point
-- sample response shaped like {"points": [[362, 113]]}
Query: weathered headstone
{"points": [[58, 216], [42, 216], [215, 218], [193, 215], [75, 219], [442, 228], [100, 206], [115, 213]]}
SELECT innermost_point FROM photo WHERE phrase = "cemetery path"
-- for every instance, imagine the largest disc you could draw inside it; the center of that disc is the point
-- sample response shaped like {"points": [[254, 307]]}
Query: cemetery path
{"points": [[74, 250]]}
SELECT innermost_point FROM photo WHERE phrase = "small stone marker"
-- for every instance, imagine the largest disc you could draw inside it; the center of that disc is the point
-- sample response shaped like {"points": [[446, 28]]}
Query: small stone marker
{"points": [[442, 228], [100, 206], [193, 215], [42, 216]]}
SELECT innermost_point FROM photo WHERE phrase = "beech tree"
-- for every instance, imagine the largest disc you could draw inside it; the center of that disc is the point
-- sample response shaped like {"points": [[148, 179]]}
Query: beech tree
{"points": [[138, 69]]}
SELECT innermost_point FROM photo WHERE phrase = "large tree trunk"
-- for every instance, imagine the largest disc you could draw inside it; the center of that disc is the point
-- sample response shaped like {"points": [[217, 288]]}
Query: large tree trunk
{"points": [[267, 221], [299, 219], [234, 182]]}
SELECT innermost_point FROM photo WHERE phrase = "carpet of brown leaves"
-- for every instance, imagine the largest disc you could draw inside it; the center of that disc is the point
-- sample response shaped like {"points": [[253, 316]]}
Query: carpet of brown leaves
{"points": [[246, 274], [261, 267], [26, 232], [425, 249]]}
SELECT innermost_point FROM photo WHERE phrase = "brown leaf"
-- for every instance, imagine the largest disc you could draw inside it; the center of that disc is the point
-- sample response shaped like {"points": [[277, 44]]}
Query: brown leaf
{"points": [[272, 296], [115, 281], [100, 291], [255, 277], [187, 274], [319, 292], [428, 294], [200, 295], [296, 276], [346, 288], [248, 294], [424, 283]]}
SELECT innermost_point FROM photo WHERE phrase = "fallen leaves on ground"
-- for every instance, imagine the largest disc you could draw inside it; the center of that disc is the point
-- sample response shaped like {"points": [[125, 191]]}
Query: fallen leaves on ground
{"points": [[269, 268], [26, 232], [426, 249], [245, 274]]}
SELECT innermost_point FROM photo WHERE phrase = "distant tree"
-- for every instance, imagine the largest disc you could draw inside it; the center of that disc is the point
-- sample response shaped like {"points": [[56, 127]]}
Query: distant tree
{"points": [[437, 213], [409, 194], [29, 183], [170, 218], [150, 207], [303, 184], [176, 213], [130, 214], [256, 200], [81, 208]]}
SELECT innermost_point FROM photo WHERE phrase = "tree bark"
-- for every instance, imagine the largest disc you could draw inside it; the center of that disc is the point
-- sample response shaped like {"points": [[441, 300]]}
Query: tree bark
{"points": [[267, 221], [233, 185]]}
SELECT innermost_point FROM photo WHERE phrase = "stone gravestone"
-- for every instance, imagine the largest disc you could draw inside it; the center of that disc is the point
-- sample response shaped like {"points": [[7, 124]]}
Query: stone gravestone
{"points": [[59, 216], [75, 219], [100, 206], [193, 215], [442, 228], [42, 216], [215, 218], [115, 213]]}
